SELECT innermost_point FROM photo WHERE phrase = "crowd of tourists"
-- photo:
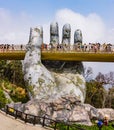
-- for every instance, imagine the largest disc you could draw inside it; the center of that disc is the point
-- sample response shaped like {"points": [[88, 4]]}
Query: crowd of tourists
{"points": [[78, 47], [11, 47], [91, 47]]}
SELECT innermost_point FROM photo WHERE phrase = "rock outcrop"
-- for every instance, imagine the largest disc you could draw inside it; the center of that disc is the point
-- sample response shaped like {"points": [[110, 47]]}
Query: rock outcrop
{"points": [[66, 109], [99, 113], [106, 112]]}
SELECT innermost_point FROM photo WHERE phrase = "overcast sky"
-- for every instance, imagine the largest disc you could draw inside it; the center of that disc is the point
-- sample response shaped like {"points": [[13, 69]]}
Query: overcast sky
{"points": [[94, 17]]}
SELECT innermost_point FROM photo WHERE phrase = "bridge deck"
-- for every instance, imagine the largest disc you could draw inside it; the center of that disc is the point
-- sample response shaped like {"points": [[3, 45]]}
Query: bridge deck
{"points": [[65, 56]]}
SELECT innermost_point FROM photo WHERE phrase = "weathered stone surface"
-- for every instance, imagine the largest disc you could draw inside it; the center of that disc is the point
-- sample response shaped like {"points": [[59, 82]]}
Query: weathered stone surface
{"points": [[67, 109], [73, 67], [45, 84], [40, 81], [99, 113], [66, 36], [54, 35], [92, 111], [17, 106], [69, 84], [77, 36], [80, 115], [35, 38], [109, 112], [56, 94]]}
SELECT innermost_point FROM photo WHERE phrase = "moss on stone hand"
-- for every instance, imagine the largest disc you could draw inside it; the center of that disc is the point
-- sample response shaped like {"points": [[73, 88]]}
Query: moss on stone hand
{"points": [[41, 81], [30, 88], [79, 81]]}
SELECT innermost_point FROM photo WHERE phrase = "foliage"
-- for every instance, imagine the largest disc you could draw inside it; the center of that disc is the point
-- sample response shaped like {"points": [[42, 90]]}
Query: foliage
{"points": [[12, 71], [107, 79], [110, 98], [97, 94], [16, 93], [84, 127], [3, 99], [12, 80], [19, 94]]}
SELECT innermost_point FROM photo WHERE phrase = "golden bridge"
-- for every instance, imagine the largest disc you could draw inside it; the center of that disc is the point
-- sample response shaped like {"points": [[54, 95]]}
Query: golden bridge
{"points": [[65, 56], [70, 55]]}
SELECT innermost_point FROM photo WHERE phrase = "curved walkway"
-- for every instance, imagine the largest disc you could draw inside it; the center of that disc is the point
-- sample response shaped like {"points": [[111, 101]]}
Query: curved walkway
{"points": [[7, 122]]}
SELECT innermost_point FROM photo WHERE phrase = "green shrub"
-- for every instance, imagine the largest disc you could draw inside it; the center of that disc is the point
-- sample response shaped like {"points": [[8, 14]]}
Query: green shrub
{"points": [[3, 100]]}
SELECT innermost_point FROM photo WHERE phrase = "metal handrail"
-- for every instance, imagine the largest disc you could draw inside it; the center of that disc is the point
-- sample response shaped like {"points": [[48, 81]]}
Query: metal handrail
{"points": [[36, 119]]}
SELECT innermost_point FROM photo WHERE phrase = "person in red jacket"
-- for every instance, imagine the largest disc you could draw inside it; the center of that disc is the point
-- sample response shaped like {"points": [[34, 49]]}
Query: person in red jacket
{"points": [[105, 121]]}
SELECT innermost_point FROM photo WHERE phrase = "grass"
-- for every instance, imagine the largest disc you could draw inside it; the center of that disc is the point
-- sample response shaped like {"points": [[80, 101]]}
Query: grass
{"points": [[82, 127]]}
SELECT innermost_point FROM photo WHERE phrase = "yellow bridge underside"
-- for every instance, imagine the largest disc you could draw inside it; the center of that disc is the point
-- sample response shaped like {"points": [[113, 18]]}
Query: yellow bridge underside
{"points": [[65, 56]]}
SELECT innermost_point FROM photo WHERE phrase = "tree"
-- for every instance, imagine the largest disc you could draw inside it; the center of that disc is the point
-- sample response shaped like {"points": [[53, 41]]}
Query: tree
{"points": [[12, 81], [110, 98], [100, 78], [95, 94], [12, 71], [109, 78], [88, 73]]}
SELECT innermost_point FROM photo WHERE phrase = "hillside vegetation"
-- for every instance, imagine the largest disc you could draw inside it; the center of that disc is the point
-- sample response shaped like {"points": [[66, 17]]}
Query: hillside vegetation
{"points": [[12, 85], [13, 88]]}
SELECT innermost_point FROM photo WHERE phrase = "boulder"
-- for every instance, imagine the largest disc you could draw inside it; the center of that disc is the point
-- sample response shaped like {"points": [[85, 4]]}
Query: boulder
{"points": [[65, 109], [92, 112], [106, 112]]}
